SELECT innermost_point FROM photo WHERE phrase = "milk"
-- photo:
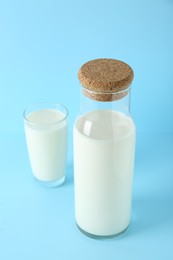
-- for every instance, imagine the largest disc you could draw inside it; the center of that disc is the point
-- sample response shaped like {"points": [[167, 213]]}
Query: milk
{"points": [[104, 146], [46, 136]]}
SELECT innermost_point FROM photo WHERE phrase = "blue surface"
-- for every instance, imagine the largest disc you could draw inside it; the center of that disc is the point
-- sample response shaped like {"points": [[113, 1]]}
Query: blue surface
{"points": [[43, 44], [38, 223]]}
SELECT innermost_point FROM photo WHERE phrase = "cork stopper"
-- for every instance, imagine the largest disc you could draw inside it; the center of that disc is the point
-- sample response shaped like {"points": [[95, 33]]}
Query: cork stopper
{"points": [[105, 79]]}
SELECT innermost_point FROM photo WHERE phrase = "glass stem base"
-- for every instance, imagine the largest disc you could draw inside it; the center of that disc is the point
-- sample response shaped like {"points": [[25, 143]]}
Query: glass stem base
{"points": [[51, 184], [99, 237]]}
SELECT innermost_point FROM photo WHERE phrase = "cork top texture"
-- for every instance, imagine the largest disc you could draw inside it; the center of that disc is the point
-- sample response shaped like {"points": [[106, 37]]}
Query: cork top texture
{"points": [[105, 79]]}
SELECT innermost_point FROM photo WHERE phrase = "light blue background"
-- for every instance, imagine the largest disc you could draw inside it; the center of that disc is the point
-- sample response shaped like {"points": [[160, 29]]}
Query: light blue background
{"points": [[42, 45]]}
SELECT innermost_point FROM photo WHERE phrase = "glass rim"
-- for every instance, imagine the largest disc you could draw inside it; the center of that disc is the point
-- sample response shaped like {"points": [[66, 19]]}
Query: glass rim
{"points": [[108, 92], [53, 105]]}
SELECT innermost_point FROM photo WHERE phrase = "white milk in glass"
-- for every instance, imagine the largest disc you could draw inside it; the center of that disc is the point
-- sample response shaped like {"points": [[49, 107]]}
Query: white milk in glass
{"points": [[104, 144], [46, 136]]}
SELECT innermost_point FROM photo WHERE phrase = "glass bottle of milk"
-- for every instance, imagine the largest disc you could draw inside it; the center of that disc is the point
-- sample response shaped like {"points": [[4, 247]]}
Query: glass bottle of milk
{"points": [[104, 149]]}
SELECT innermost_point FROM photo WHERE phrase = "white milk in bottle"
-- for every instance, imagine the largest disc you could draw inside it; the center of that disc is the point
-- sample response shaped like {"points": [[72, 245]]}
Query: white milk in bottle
{"points": [[104, 148]]}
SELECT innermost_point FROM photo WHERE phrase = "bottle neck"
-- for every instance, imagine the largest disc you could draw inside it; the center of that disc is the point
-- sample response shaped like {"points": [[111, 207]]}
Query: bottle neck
{"points": [[118, 101]]}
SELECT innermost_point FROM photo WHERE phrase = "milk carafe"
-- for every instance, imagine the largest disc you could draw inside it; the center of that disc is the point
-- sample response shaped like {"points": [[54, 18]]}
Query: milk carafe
{"points": [[104, 149]]}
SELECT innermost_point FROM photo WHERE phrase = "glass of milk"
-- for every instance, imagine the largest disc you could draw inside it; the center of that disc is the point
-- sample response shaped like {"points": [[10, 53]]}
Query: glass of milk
{"points": [[104, 149], [46, 137]]}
